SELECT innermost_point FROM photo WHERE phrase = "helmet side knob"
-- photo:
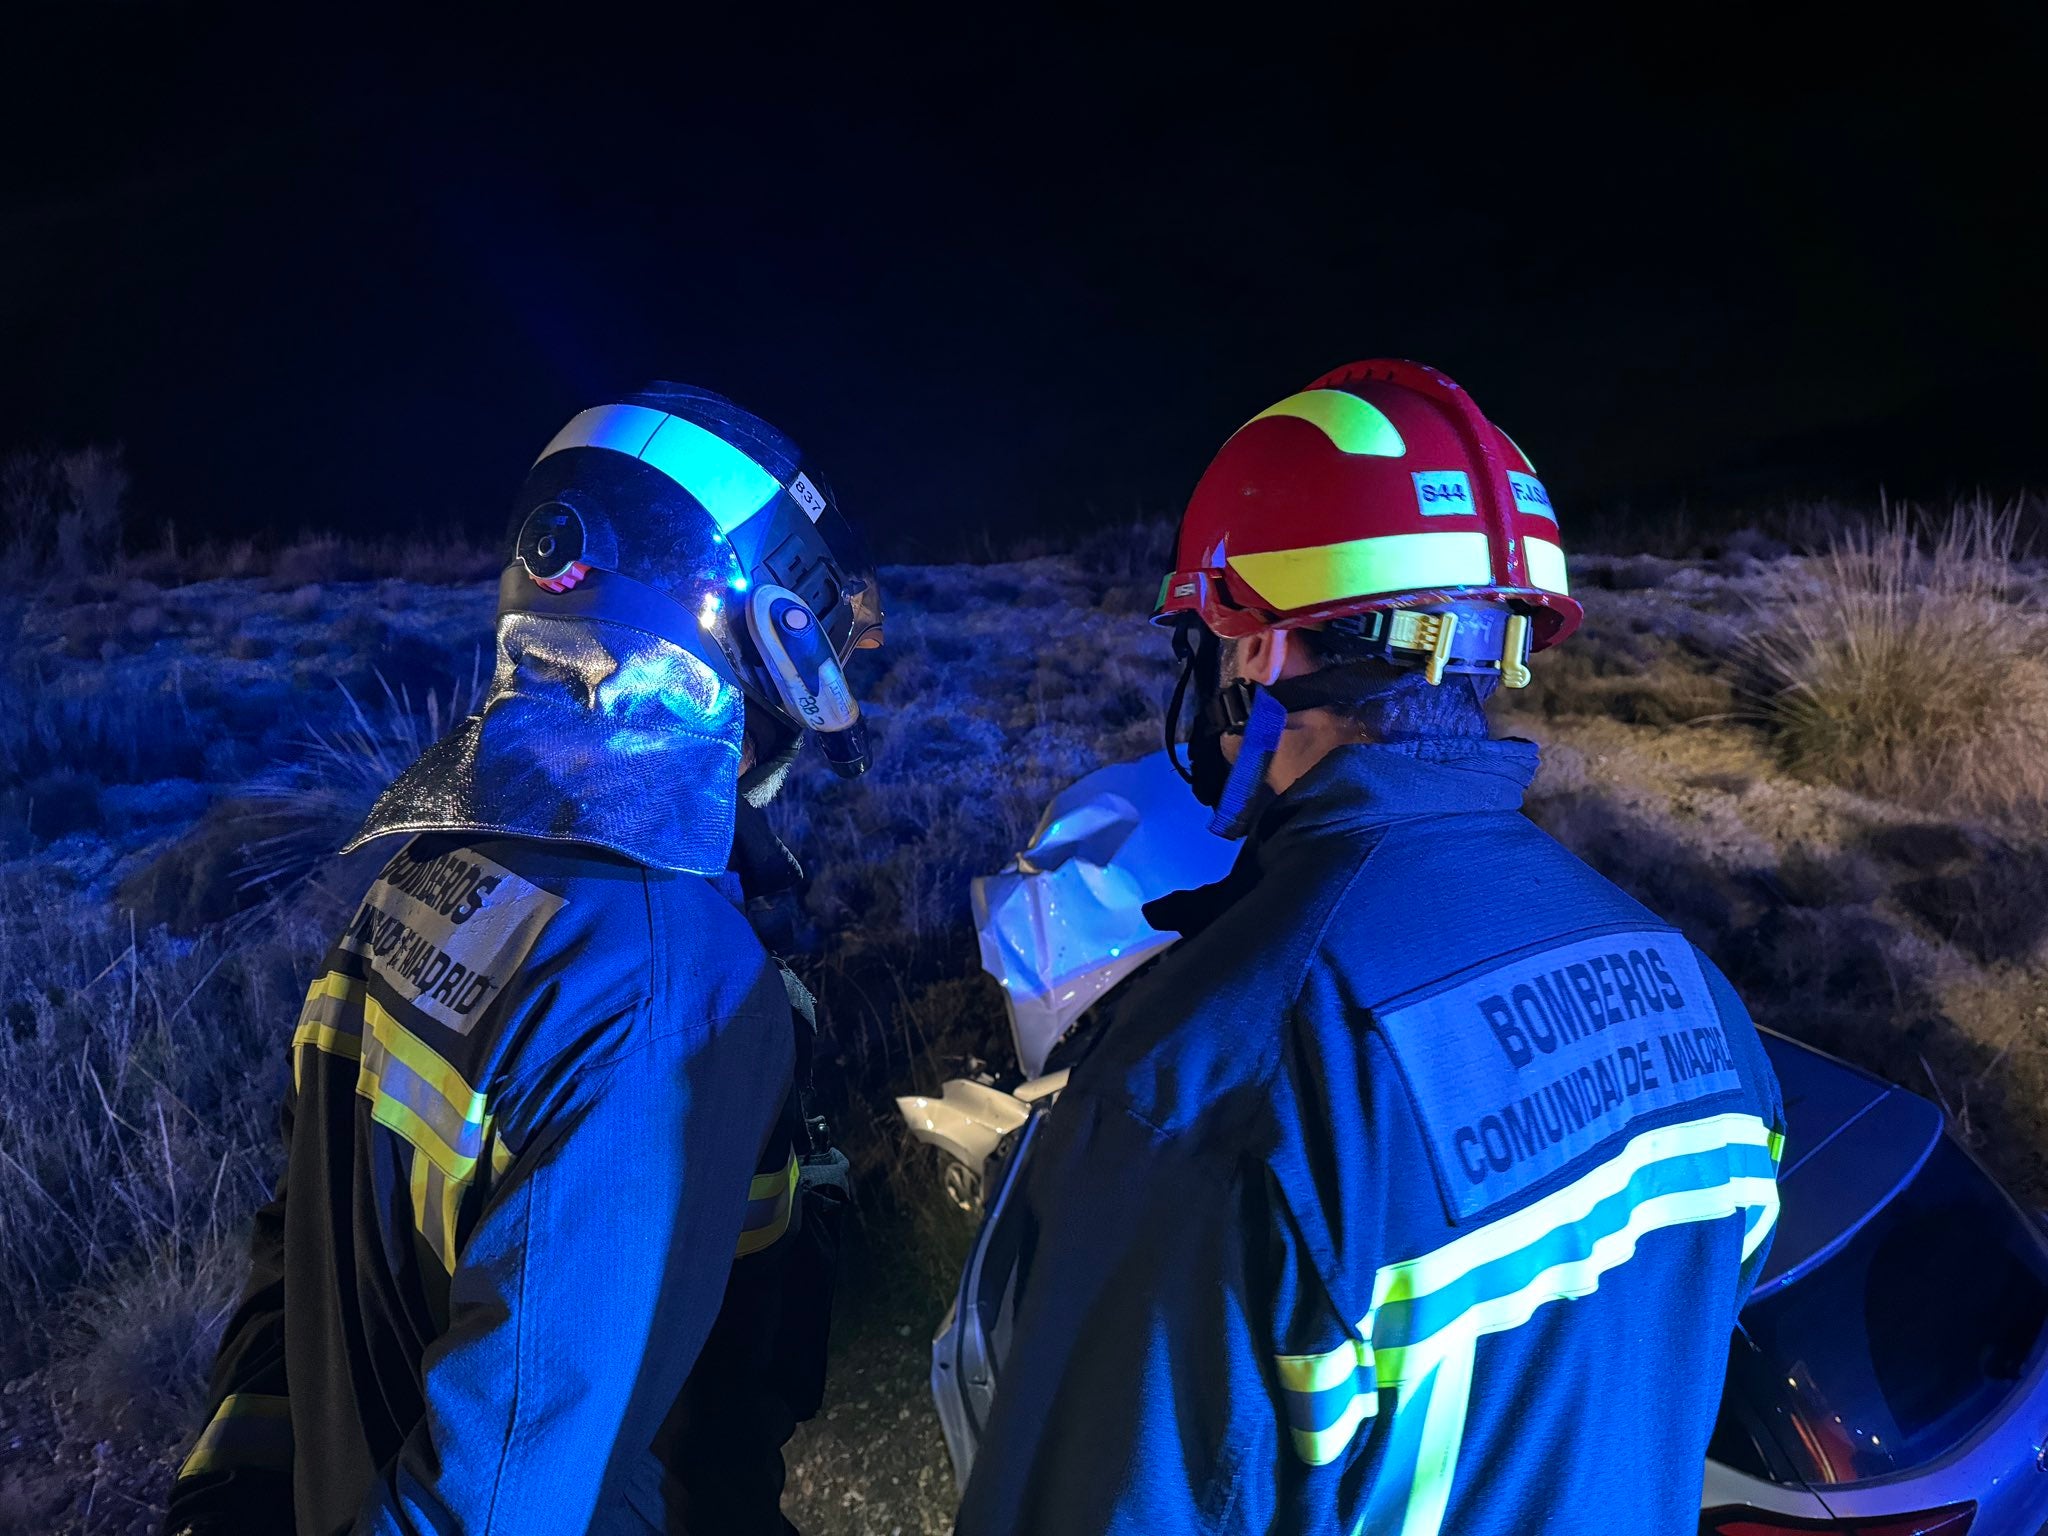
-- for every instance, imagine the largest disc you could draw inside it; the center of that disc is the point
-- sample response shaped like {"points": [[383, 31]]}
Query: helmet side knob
{"points": [[551, 546]]}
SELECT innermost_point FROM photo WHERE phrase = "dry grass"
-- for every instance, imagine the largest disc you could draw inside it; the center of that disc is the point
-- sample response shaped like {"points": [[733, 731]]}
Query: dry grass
{"points": [[1909, 673], [140, 1076]]}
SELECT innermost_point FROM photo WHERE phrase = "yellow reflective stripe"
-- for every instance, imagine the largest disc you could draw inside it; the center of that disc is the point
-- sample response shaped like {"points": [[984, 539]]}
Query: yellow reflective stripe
{"points": [[331, 987], [769, 1198], [436, 1201], [766, 1186], [1394, 562], [1326, 1397], [346, 1044], [327, 1021], [249, 1429], [1353, 424], [1546, 565], [501, 1156], [1320, 1447], [413, 1092], [1314, 1373], [1775, 1144]]}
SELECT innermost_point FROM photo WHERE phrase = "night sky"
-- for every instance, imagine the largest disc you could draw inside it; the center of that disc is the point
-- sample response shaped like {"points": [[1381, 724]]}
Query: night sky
{"points": [[355, 277]]}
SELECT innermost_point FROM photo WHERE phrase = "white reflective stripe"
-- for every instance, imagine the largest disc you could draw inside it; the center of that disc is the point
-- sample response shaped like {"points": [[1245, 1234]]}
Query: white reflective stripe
{"points": [[1762, 1219], [621, 428], [1577, 1277], [1561, 1208], [1437, 1369], [729, 485], [1546, 565], [1443, 1434]]}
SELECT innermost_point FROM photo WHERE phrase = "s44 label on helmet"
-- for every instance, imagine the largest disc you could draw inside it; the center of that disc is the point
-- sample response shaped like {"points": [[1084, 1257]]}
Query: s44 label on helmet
{"points": [[1444, 493], [807, 495], [1530, 496]]}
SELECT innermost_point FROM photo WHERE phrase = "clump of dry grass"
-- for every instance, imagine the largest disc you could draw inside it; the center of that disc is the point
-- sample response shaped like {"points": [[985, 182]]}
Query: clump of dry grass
{"points": [[1609, 672], [1909, 671], [316, 803], [137, 1077]]}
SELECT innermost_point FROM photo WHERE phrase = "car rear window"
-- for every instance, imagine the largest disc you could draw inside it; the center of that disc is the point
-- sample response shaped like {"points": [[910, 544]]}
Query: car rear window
{"points": [[1898, 1346]]}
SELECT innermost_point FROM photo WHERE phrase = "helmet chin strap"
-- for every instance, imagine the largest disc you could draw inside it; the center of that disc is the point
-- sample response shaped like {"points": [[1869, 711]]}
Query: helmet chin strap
{"points": [[1258, 714], [1246, 791]]}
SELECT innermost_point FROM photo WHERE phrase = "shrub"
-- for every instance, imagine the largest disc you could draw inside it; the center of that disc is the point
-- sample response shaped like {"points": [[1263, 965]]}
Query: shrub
{"points": [[1904, 673]]}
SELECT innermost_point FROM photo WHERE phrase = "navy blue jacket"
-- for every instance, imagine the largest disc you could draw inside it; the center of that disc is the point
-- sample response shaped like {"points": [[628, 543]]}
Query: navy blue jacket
{"points": [[1416, 1191], [533, 1125]]}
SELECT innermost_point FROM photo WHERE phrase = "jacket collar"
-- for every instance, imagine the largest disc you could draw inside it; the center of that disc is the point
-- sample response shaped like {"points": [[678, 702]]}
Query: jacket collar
{"points": [[1366, 785], [1353, 792]]}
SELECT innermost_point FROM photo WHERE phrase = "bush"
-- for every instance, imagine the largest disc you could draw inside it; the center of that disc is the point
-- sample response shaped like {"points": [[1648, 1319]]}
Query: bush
{"points": [[1905, 673]]}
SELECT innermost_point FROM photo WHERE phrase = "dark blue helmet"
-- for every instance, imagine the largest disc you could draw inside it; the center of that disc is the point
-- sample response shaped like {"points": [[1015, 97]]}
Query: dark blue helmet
{"points": [[675, 512]]}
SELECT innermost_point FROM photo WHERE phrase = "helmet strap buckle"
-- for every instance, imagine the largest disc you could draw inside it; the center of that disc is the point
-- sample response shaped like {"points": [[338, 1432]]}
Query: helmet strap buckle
{"points": [[1431, 633], [1514, 652]]}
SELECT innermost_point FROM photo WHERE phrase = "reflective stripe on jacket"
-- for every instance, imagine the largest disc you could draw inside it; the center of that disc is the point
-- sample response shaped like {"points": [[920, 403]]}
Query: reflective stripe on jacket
{"points": [[1415, 1192]]}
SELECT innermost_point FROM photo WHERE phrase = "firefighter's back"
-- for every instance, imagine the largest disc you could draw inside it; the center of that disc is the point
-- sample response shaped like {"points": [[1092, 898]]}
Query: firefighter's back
{"points": [[1541, 1134], [488, 999]]}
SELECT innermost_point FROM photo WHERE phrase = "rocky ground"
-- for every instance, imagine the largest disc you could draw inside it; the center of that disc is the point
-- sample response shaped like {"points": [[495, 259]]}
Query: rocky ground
{"points": [[177, 757]]}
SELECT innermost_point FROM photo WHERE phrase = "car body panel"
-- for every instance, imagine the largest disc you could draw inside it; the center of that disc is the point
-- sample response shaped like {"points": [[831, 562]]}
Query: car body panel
{"points": [[966, 1120], [1852, 1142], [1065, 923]]}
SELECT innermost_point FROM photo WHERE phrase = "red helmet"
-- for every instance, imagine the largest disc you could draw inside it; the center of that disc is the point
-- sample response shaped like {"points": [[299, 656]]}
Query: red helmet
{"points": [[1378, 487]]}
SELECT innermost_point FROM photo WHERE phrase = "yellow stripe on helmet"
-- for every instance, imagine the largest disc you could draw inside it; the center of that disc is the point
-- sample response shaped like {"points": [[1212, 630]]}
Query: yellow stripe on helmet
{"points": [[1354, 425], [1394, 562]]}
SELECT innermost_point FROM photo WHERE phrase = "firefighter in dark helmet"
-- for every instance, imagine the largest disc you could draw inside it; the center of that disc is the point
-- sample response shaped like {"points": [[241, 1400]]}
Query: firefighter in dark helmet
{"points": [[549, 1167], [1416, 1190]]}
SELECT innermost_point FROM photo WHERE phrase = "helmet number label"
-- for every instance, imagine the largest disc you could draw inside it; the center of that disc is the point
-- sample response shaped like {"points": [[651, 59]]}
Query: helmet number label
{"points": [[1530, 497], [807, 496], [1444, 493]]}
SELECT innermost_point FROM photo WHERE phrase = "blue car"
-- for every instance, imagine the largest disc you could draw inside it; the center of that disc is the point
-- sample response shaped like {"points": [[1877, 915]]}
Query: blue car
{"points": [[1888, 1377]]}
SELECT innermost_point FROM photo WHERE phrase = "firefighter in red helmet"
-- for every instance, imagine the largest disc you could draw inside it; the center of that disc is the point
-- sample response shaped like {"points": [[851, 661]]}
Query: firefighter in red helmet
{"points": [[1417, 1189]]}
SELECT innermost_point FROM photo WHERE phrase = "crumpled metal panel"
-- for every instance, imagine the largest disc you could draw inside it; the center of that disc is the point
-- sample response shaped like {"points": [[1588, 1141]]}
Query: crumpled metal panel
{"points": [[591, 733], [1066, 921]]}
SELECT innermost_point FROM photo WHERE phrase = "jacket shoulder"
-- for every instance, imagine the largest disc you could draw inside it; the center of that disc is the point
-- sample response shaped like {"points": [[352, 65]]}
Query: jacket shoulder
{"points": [[564, 937], [1195, 1043]]}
